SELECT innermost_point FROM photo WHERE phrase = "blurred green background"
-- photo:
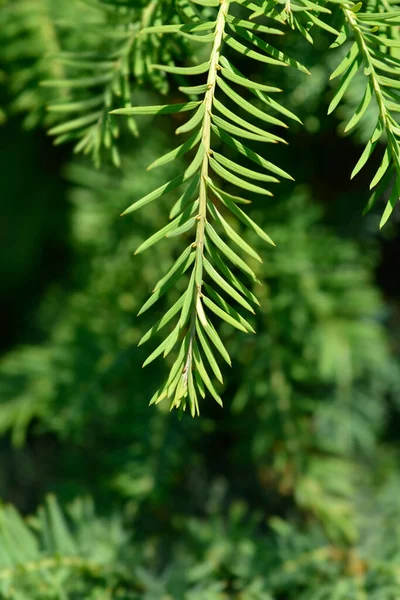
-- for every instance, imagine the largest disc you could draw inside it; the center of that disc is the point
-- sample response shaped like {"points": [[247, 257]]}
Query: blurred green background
{"points": [[288, 492]]}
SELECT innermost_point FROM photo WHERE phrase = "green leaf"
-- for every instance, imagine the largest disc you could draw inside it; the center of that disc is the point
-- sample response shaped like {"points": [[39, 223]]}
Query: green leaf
{"points": [[247, 106], [177, 152], [229, 253], [200, 384], [341, 38], [173, 28], [74, 124], [203, 39], [394, 198], [233, 179], [201, 315], [344, 84], [321, 23], [193, 121], [186, 197], [368, 150], [261, 96], [82, 82], [242, 49], [172, 340], [228, 274], [194, 405], [317, 7], [380, 189], [231, 20], [346, 62], [195, 70], [171, 185], [235, 237], [239, 121], [184, 228], [389, 82], [250, 154], [241, 215], [193, 89], [213, 3], [216, 297], [224, 285], [177, 368], [229, 128], [203, 373], [164, 109], [161, 233], [362, 107], [216, 340], [279, 56], [209, 353], [159, 350], [223, 315], [229, 164], [163, 321], [171, 277], [77, 106], [187, 303], [247, 83], [382, 168]]}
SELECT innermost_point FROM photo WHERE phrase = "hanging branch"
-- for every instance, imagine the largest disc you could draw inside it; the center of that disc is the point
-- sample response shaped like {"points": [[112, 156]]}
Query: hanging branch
{"points": [[213, 286]]}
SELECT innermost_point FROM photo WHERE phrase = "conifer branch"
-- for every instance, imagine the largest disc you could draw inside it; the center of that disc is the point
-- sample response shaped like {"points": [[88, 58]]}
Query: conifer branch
{"points": [[194, 335], [100, 80], [228, 110], [381, 70]]}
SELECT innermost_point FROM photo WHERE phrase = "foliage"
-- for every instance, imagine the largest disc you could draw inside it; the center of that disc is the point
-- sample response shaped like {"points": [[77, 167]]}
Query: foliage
{"points": [[90, 557], [291, 491], [206, 206], [201, 203], [340, 374], [43, 558]]}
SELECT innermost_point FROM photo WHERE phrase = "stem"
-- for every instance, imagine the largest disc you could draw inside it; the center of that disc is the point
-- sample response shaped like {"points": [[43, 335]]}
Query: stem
{"points": [[206, 141]]}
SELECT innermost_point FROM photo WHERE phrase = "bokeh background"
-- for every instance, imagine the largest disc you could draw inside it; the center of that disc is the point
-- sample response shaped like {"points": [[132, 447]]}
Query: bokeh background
{"points": [[291, 491]]}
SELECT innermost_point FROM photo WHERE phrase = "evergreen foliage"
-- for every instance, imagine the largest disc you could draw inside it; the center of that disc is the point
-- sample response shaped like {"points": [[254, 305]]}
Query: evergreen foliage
{"points": [[99, 76], [290, 491], [306, 427]]}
